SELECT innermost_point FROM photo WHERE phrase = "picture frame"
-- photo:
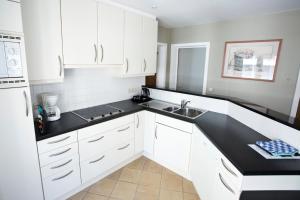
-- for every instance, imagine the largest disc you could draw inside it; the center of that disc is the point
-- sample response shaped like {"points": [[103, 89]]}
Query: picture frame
{"points": [[251, 60]]}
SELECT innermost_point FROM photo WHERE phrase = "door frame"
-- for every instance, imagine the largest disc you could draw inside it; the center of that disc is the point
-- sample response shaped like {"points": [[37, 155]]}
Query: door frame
{"points": [[174, 62], [296, 98], [165, 57]]}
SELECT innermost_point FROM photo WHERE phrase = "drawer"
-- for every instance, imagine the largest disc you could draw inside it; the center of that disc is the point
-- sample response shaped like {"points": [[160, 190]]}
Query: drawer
{"points": [[56, 142], [100, 163], [123, 151], [104, 127], [174, 123], [102, 142], [58, 154], [58, 166], [61, 183], [230, 174], [96, 165]]}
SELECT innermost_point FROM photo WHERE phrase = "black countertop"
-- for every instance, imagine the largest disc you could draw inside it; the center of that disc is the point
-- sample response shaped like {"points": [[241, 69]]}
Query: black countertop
{"points": [[229, 135], [270, 195], [272, 114]]}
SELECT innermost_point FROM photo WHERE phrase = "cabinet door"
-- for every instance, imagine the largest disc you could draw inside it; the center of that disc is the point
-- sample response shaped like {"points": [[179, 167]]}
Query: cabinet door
{"points": [[10, 16], [149, 45], [203, 165], [133, 44], [149, 130], [172, 148], [223, 190], [139, 132], [42, 30], [19, 169], [110, 34], [79, 31]]}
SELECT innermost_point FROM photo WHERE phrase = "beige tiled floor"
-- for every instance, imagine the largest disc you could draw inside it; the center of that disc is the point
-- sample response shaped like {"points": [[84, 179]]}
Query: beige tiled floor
{"points": [[142, 179]]}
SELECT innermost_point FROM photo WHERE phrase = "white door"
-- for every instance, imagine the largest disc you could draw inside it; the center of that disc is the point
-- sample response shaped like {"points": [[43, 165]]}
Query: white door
{"points": [[203, 165], [149, 131], [133, 44], [42, 30], [149, 45], [139, 131], [19, 168], [110, 34], [79, 31], [172, 148]]}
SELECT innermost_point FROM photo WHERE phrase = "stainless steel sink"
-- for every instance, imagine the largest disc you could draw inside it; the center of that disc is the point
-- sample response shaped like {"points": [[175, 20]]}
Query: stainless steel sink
{"points": [[171, 108], [188, 112]]}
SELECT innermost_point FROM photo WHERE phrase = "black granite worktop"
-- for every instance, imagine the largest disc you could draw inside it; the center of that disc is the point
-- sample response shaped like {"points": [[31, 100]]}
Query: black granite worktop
{"points": [[229, 135], [270, 195]]}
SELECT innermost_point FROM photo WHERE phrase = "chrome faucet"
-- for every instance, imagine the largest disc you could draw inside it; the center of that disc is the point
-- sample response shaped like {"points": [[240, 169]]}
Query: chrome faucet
{"points": [[184, 103]]}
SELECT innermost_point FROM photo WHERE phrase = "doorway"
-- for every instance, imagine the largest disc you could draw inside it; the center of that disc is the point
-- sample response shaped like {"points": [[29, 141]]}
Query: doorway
{"points": [[189, 67]]}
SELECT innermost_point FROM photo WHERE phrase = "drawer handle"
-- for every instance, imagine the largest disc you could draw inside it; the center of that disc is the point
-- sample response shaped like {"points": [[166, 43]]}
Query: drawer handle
{"points": [[228, 168], [225, 184], [124, 147], [64, 176], [61, 165], [100, 138], [57, 141], [138, 121], [124, 129], [94, 161], [57, 154]]}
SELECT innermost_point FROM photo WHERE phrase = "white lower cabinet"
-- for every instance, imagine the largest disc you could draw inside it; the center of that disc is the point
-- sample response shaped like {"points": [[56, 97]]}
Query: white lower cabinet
{"points": [[139, 124], [172, 146], [149, 134], [62, 182]]}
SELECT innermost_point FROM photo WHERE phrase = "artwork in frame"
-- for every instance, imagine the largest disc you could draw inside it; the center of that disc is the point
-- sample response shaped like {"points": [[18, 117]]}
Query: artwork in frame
{"points": [[252, 60]]}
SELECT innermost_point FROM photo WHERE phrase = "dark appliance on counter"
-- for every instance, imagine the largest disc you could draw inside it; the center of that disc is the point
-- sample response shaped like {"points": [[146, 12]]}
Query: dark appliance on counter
{"points": [[144, 97]]}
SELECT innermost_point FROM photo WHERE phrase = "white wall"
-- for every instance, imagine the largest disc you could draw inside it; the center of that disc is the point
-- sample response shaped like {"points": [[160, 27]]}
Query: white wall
{"points": [[277, 95], [89, 87]]}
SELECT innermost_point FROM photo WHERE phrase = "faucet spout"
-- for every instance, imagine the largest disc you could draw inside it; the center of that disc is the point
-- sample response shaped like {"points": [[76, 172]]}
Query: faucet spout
{"points": [[184, 103]]}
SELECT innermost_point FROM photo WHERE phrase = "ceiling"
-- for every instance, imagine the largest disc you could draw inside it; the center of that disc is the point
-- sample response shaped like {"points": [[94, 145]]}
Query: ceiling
{"points": [[179, 13]]}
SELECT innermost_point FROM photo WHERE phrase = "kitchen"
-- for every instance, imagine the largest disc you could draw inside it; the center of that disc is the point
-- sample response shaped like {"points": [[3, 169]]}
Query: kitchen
{"points": [[105, 100]]}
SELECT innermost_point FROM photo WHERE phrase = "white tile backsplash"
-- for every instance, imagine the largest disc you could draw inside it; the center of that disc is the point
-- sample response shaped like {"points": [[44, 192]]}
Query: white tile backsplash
{"points": [[88, 87]]}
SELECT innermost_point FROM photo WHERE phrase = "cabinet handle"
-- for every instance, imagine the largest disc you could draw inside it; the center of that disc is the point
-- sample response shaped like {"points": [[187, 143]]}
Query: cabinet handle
{"points": [[96, 53], [100, 138], [60, 65], [61, 165], [145, 65], [57, 141], [102, 52], [64, 176], [138, 122], [26, 103], [60, 153], [94, 161], [124, 147], [124, 129], [225, 184], [228, 169], [126, 60], [155, 133]]}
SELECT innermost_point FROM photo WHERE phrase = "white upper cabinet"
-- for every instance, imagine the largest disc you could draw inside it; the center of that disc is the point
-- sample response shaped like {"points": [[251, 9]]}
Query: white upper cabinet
{"points": [[10, 16], [132, 43], [42, 30], [149, 45], [79, 32], [140, 44], [110, 34]]}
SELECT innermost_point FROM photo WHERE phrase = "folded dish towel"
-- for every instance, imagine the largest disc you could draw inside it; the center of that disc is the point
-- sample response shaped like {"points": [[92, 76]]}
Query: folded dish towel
{"points": [[277, 148]]}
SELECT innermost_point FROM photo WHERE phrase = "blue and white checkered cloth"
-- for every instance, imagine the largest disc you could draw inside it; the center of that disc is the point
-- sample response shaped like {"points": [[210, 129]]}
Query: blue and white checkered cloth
{"points": [[277, 148]]}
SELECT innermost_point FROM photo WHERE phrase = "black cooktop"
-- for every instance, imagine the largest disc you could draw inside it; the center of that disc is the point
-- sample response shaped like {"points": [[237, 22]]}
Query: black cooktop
{"points": [[97, 112]]}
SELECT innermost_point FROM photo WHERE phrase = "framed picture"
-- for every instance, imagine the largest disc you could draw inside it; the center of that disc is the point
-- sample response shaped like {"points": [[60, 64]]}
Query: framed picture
{"points": [[252, 60]]}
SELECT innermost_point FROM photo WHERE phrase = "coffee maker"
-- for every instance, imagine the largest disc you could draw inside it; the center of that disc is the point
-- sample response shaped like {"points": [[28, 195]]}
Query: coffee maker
{"points": [[49, 101], [144, 97]]}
